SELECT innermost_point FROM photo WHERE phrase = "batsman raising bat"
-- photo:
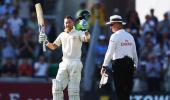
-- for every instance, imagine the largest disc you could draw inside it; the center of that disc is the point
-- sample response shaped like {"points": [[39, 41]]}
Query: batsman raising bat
{"points": [[41, 24], [69, 72]]}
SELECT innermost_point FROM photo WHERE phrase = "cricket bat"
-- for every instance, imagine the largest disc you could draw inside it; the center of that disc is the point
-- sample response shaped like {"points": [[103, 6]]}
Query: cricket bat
{"points": [[40, 19]]}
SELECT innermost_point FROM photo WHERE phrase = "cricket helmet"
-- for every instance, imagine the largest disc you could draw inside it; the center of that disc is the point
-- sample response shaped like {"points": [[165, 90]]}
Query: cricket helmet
{"points": [[83, 14]]}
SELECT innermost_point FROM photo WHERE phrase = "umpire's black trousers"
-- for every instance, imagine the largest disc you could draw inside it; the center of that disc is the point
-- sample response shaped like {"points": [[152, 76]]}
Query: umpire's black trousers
{"points": [[123, 70]]}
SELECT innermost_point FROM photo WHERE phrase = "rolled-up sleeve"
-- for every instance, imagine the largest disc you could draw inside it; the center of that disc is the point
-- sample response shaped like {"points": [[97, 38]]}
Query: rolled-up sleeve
{"points": [[58, 41]]}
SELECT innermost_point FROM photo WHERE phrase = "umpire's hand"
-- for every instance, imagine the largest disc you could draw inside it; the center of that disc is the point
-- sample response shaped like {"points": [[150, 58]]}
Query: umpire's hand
{"points": [[103, 70]]}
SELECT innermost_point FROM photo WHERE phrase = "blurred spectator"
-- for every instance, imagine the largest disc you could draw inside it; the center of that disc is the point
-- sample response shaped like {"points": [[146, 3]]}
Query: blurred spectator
{"points": [[8, 1], [9, 69], [166, 67], [24, 10], [148, 26], [101, 49], [2, 30], [83, 6], [32, 22], [9, 7], [50, 31], [15, 23], [53, 67], [154, 72], [140, 78], [153, 37], [164, 25], [133, 21], [16, 2], [41, 67], [9, 35], [161, 47], [26, 46], [147, 48], [2, 8], [116, 11], [166, 38], [153, 17], [8, 50], [98, 13], [33, 26], [25, 68]]}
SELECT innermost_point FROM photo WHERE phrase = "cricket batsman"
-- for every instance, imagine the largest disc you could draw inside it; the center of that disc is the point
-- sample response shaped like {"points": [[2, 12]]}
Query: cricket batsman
{"points": [[69, 72]]}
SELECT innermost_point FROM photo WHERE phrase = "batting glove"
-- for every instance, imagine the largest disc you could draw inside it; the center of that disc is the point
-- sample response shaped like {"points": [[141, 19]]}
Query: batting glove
{"points": [[43, 39], [84, 25]]}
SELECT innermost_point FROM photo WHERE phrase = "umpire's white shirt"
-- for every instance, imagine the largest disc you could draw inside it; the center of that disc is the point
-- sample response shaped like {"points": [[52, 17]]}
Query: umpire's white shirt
{"points": [[71, 43], [121, 44]]}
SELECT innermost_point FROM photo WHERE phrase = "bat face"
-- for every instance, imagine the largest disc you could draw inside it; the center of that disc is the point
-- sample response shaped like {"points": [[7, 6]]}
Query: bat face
{"points": [[39, 13], [40, 19]]}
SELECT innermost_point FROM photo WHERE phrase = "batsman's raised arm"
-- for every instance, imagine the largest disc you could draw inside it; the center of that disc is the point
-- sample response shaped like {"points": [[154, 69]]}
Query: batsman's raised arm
{"points": [[51, 46], [84, 26]]}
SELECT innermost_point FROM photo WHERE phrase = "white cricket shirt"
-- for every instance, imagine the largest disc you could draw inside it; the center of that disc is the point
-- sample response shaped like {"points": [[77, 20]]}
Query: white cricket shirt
{"points": [[71, 43], [121, 44]]}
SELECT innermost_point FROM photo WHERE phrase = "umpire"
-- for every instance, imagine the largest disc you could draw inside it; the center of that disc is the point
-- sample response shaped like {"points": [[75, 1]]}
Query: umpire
{"points": [[122, 52]]}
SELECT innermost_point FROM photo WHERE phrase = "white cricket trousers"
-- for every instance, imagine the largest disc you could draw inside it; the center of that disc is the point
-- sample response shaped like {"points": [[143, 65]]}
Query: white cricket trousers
{"points": [[69, 73]]}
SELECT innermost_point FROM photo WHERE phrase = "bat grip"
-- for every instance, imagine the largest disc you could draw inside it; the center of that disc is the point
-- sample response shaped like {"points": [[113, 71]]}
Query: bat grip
{"points": [[42, 32]]}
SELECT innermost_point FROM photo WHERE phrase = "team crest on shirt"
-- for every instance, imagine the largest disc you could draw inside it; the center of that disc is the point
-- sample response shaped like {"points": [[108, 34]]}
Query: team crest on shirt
{"points": [[126, 43]]}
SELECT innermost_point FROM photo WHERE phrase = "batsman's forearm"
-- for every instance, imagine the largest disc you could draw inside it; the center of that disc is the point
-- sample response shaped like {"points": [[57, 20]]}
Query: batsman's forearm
{"points": [[51, 46]]}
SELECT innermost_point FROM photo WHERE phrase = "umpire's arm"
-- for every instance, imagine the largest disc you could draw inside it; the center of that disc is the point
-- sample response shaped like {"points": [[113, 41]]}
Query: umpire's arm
{"points": [[110, 51]]}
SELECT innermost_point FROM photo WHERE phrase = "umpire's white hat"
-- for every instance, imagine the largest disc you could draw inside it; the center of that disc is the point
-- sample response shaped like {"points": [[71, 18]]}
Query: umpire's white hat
{"points": [[115, 18]]}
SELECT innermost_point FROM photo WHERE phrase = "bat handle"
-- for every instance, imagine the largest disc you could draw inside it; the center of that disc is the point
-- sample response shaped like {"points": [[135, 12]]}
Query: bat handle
{"points": [[44, 47]]}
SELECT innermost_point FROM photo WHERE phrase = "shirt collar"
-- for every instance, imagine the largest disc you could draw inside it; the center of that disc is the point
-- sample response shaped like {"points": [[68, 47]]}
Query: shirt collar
{"points": [[119, 31], [72, 31]]}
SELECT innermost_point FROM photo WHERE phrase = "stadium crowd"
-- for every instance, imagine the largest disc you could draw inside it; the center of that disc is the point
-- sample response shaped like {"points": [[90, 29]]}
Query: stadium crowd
{"points": [[21, 55]]}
